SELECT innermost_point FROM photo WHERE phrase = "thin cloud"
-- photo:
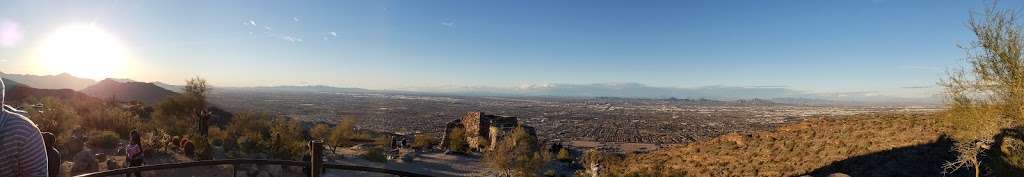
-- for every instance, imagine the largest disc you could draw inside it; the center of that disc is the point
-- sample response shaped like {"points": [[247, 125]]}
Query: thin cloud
{"points": [[296, 19], [291, 39], [450, 24], [330, 35]]}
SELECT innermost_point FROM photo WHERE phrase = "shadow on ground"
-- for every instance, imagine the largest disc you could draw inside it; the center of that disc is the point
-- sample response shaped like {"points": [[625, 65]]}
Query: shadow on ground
{"points": [[919, 160]]}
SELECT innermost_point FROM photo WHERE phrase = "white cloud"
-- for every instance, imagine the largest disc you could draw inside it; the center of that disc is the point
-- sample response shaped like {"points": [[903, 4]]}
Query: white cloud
{"points": [[290, 39], [268, 28], [449, 24], [330, 35], [296, 19], [253, 23]]}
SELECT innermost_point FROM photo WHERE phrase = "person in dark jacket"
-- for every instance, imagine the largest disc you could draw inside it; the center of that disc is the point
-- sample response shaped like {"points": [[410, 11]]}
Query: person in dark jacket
{"points": [[52, 154]]}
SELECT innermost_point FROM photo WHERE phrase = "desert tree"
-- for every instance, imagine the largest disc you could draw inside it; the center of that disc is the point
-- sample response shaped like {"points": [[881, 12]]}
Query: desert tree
{"points": [[342, 134], [320, 131], [517, 154], [987, 96]]}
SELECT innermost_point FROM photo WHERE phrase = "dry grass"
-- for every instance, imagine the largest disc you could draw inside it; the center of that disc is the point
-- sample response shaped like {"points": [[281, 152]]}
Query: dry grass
{"points": [[795, 149]]}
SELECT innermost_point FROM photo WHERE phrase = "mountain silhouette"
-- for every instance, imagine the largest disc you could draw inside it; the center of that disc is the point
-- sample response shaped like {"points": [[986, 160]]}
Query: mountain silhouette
{"points": [[18, 92], [147, 93], [59, 81]]}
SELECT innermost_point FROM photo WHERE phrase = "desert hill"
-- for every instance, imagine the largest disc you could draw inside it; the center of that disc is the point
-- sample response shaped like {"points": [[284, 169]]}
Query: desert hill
{"points": [[860, 145], [147, 93], [60, 81], [17, 92]]}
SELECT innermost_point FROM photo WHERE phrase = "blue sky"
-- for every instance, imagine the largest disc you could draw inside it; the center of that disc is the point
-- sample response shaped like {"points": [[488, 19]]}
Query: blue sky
{"points": [[813, 46]]}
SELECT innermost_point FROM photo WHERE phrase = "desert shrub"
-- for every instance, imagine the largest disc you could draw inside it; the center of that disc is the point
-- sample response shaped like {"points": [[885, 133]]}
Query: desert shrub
{"points": [[218, 136], [564, 155], [55, 116], [423, 141], [320, 131], [457, 140], [111, 118], [103, 139], [247, 130], [343, 133], [989, 96], [516, 155], [375, 154], [286, 139]]}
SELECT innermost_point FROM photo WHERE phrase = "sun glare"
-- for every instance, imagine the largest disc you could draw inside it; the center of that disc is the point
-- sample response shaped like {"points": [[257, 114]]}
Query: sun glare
{"points": [[82, 50]]}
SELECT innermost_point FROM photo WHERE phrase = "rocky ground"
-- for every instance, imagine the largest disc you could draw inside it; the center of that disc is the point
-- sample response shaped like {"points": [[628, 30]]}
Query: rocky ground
{"points": [[860, 145]]}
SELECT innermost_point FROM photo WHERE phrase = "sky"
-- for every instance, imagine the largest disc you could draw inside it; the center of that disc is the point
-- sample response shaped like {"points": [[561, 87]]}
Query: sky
{"points": [[892, 46]]}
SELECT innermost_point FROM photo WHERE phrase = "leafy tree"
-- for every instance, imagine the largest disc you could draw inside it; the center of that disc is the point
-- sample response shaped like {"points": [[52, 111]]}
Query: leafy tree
{"points": [[989, 96], [286, 141]]}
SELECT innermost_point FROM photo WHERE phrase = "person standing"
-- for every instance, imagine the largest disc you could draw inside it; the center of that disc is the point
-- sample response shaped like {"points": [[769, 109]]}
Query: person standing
{"points": [[134, 151], [52, 154], [22, 152]]}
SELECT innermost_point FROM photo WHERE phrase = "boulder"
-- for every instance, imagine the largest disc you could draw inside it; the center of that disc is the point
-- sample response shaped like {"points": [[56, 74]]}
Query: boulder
{"points": [[84, 162], [838, 175]]}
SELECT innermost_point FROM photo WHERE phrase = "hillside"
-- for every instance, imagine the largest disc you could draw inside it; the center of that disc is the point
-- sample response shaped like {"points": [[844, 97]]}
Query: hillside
{"points": [[862, 145], [147, 93], [16, 92], [60, 81]]}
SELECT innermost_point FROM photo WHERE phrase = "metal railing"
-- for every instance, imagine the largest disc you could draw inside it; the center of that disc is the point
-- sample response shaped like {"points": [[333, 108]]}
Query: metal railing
{"points": [[316, 162]]}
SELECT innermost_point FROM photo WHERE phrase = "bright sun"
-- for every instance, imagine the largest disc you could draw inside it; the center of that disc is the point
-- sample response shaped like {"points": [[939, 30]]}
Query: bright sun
{"points": [[82, 50]]}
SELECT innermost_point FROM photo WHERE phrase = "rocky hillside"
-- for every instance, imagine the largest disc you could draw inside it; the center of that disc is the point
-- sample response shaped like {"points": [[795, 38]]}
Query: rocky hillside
{"points": [[147, 93], [862, 145]]}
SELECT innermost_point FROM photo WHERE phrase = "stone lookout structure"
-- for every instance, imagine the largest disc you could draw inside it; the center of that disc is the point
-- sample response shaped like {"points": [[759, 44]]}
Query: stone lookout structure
{"points": [[483, 131]]}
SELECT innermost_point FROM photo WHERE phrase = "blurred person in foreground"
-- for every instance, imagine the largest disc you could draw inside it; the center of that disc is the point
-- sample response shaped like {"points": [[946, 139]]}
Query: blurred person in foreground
{"points": [[22, 152]]}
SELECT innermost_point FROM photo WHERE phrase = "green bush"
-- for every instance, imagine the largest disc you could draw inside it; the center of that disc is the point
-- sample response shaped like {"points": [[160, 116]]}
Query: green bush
{"points": [[103, 139]]}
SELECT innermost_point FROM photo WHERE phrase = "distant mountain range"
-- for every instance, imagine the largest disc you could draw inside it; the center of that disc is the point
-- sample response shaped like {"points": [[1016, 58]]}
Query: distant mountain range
{"points": [[147, 93], [776, 94], [60, 81]]}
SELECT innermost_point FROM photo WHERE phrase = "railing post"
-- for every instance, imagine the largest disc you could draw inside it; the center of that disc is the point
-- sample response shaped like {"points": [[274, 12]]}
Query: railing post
{"points": [[316, 159], [234, 170]]}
